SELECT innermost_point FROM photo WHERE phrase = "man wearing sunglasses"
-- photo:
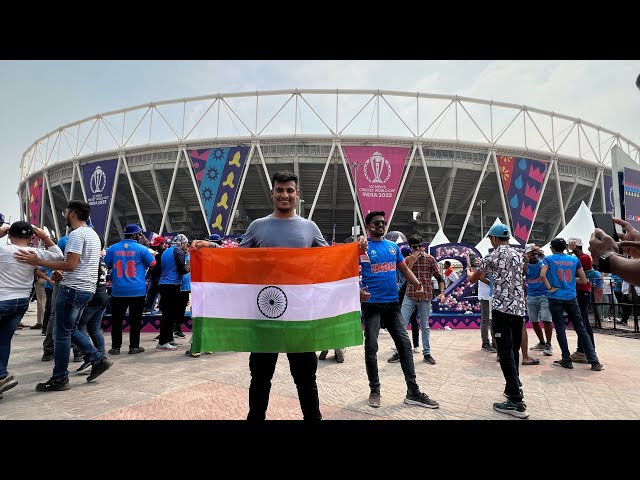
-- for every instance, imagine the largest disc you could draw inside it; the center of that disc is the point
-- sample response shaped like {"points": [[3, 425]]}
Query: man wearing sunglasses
{"points": [[379, 279]]}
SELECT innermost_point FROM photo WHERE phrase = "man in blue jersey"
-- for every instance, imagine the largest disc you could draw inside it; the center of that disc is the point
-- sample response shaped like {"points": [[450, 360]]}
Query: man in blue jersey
{"points": [[379, 279], [537, 301], [560, 273], [173, 268], [129, 262]]}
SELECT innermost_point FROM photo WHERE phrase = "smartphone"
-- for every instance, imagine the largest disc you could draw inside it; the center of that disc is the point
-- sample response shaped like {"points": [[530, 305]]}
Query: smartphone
{"points": [[472, 260], [604, 221]]}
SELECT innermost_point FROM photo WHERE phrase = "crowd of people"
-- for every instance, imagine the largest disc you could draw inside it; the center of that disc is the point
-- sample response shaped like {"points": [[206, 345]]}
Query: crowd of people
{"points": [[397, 288]]}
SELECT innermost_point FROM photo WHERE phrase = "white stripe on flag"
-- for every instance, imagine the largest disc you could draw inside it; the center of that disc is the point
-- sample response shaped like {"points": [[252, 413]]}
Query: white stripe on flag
{"points": [[303, 302]]}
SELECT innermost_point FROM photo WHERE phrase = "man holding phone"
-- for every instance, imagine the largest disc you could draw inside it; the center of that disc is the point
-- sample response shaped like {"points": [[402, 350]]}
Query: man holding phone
{"points": [[605, 250]]}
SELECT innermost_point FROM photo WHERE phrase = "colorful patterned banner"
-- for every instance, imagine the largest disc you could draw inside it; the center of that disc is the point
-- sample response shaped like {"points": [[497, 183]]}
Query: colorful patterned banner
{"points": [[608, 194], [632, 197], [378, 172], [218, 172], [98, 181], [522, 180], [35, 201]]}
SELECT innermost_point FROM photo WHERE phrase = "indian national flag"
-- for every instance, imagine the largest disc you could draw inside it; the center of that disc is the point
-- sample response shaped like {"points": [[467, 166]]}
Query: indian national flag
{"points": [[275, 299]]}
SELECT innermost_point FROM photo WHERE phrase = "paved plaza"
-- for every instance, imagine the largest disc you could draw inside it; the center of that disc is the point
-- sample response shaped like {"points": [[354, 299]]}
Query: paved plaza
{"points": [[466, 381]]}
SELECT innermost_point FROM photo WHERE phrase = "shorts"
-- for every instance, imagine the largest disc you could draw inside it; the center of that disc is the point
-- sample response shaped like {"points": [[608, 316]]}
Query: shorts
{"points": [[538, 308]]}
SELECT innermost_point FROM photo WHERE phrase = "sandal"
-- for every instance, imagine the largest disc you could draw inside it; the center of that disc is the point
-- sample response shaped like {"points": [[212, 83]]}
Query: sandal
{"points": [[533, 361]]}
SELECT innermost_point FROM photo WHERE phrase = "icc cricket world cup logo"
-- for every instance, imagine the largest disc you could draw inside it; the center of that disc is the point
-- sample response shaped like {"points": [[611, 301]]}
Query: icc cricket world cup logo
{"points": [[377, 166], [98, 180]]}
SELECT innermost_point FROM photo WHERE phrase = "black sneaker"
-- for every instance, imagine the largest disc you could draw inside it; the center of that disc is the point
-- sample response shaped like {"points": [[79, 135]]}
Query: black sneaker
{"points": [[323, 355], [374, 399], [46, 357], [7, 383], [99, 368], [395, 358], [134, 350], [52, 386], [78, 357], [429, 359], [563, 363], [339, 355], [488, 348], [596, 367], [114, 351], [421, 399], [515, 409], [84, 366], [179, 334]]}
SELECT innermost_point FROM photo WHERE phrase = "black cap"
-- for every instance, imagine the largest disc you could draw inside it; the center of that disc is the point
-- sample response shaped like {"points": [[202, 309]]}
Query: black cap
{"points": [[558, 244], [20, 228]]}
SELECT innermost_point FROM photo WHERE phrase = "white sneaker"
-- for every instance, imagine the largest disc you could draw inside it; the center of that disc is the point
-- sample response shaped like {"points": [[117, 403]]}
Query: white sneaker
{"points": [[165, 347], [548, 350], [416, 350]]}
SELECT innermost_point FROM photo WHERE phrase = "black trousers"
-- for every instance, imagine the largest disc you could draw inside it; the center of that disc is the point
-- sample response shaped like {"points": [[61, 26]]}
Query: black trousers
{"points": [[303, 368], [183, 298], [47, 308], [119, 307], [508, 332], [169, 303], [584, 299]]}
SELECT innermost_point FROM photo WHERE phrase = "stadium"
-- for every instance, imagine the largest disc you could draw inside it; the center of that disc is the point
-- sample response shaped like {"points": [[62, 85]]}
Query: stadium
{"points": [[202, 165]]}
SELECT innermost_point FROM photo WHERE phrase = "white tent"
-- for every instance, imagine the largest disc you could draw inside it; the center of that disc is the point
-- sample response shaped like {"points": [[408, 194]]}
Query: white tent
{"points": [[581, 226], [485, 244], [439, 239]]}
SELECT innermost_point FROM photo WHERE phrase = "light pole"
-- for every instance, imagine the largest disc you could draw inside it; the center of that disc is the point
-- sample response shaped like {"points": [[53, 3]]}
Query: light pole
{"points": [[354, 168], [481, 202]]}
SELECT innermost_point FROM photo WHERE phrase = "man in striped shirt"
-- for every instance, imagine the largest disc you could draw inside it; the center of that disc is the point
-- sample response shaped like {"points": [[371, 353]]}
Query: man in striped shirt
{"points": [[81, 261]]}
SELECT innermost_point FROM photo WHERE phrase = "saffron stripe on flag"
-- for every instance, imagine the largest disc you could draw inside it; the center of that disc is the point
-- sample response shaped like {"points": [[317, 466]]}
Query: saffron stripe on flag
{"points": [[238, 335], [282, 302], [275, 266]]}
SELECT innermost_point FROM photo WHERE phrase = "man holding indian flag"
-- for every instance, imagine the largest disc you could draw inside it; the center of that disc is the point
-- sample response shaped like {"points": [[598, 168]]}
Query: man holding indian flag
{"points": [[277, 297]]}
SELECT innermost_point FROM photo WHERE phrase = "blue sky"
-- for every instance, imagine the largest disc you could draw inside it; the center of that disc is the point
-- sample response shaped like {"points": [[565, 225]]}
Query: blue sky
{"points": [[38, 96]]}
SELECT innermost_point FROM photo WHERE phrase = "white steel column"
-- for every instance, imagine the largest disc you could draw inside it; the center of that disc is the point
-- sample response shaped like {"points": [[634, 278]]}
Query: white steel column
{"points": [[111, 203], [72, 190], [353, 192], [195, 187], [52, 205], [123, 159], [404, 178], [505, 210], [156, 185], [173, 182], [473, 198], [240, 187], [264, 166], [559, 191], [593, 190], [433, 199], [84, 192], [324, 173], [603, 201], [21, 200], [544, 186]]}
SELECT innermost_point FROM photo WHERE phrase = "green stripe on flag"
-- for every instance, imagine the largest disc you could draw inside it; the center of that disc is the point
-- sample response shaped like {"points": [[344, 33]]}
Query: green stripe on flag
{"points": [[239, 335]]}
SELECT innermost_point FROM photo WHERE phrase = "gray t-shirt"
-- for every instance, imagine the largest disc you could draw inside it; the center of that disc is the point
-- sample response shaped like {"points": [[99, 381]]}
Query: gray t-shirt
{"points": [[85, 242], [294, 232]]}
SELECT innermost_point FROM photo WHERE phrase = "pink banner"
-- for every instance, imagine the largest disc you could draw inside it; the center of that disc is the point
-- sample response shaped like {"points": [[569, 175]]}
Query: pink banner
{"points": [[35, 201], [377, 175]]}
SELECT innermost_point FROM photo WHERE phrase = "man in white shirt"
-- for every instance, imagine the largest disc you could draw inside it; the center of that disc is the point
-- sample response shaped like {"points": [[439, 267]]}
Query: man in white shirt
{"points": [[16, 280]]}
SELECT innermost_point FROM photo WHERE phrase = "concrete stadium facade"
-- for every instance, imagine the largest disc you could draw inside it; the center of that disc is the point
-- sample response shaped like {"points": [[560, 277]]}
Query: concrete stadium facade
{"points": [[450, 180]]}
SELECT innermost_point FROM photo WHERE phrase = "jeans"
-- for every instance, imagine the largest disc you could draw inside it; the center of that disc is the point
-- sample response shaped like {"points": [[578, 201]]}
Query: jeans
{"points": [[47, 343], [11, 312], [408, 305], [486, 324], [508, 331], [47, 309], [584, 298], [91, 321], [303, 368], [69, 306], [557, 308], [119, 307], [152, 292], [389, 313]]}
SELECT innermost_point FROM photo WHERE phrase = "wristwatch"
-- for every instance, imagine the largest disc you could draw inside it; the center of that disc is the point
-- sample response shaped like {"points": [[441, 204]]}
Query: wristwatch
{"points": [[603, 261]]}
